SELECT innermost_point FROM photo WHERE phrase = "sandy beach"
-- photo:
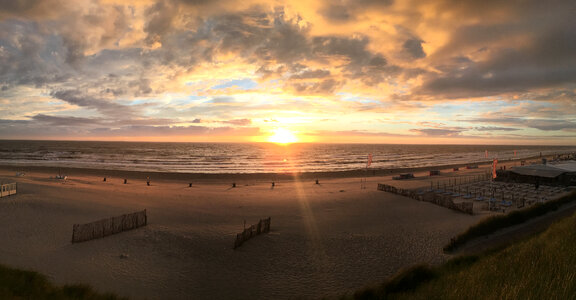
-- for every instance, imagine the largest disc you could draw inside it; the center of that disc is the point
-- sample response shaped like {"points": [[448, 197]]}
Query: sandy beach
{"points": [[326, 239]]}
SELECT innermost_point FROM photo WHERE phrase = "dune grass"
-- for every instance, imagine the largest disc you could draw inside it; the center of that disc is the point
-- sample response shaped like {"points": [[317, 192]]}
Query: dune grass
{"points": [[495, 223], [21, 284], [541, 267]]}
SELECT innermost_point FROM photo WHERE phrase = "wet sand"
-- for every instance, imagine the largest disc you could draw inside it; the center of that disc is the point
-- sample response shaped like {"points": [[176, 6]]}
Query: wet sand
{"points": [[326, 239]]}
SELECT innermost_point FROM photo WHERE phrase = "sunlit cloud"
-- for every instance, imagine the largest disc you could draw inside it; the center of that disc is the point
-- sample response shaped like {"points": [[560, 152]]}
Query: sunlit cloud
{"points": [[337, 70]]}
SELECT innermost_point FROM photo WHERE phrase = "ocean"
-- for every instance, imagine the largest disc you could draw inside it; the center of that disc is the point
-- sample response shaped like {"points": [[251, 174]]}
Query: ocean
{"points": [[253, 157]]}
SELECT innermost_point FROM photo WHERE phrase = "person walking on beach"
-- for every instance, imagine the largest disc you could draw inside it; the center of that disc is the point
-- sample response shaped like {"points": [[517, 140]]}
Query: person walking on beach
{"points": [[148, 180]]}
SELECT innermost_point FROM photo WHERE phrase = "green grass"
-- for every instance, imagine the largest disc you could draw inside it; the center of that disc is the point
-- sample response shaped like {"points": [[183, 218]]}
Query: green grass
{"points": [[20, 284], [541, 267], [495, 223]]}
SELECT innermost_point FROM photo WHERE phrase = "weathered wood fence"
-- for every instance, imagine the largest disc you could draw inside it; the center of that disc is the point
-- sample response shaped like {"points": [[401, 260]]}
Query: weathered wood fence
{"points": [[8, 189], [106, 227], [262, 227], [430, 196]]}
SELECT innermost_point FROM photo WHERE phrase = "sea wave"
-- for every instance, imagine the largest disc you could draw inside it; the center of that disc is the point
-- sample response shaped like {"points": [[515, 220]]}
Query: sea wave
{"points": [[254, 157]]}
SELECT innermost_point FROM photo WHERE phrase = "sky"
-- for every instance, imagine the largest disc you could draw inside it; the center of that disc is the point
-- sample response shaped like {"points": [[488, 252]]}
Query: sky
{"points": [[345, 71]]}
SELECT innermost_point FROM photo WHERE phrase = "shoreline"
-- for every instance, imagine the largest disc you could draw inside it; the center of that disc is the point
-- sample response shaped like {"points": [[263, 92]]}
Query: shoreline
{"points": [[129, 174]]}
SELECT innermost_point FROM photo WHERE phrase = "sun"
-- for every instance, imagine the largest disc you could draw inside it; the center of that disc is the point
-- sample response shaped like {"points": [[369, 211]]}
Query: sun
{"points": [[283, 136]]}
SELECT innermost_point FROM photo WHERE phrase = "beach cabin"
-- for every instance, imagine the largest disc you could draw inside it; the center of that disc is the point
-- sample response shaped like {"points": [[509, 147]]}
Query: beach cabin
{"points": [[8, 189], [563, 174]]}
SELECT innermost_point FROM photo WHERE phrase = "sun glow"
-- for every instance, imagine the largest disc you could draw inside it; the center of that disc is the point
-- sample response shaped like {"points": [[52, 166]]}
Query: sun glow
{"points": [[283, 136]]}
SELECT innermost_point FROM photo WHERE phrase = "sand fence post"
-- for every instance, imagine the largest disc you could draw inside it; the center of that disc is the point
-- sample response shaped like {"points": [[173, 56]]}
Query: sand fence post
{"points": [[263, 226], [109, 226], [74, 228]]}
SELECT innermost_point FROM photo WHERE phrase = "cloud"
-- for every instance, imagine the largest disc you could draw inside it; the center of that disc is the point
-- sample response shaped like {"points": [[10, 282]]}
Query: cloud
{"points": [[437, 132], [222, 100], [29, 8], [530, 52], [328, 86], [159, 131], [493, 128], [65, 121], [238, 122], [311, 74], [160, 19], [105, 107], [348, 10], [414, 48], [115, 64], [540, 124], [26, 55], [336, 13]]}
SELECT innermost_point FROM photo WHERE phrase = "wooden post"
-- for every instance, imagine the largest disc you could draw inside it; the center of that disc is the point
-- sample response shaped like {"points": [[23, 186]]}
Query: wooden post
{"points": [[74, 232]]}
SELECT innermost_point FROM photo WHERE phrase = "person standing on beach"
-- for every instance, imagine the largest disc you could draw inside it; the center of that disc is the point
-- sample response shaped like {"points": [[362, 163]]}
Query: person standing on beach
{"points": [[148, 180]]}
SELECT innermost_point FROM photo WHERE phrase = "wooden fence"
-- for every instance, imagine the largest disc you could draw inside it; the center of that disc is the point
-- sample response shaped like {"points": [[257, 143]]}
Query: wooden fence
{"points": [[430, 196], [106, 227], [262, 227], [8, 189]]}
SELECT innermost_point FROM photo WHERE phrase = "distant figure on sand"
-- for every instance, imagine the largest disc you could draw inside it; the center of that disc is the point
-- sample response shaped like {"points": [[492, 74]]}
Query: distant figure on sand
{"points": [[148, 180]]}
